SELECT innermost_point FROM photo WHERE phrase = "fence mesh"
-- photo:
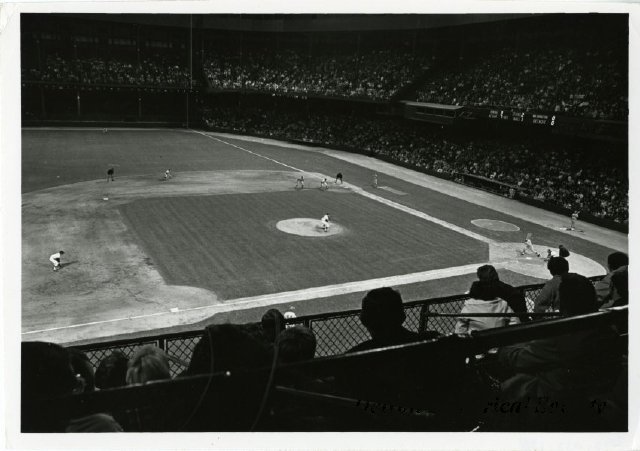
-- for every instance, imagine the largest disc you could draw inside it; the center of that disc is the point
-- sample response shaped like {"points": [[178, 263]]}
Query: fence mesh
{"points": [[335, 332]]}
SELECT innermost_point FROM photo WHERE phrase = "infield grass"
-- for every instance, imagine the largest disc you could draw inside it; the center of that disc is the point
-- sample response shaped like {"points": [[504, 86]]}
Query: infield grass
{"points": [[230, 244]]}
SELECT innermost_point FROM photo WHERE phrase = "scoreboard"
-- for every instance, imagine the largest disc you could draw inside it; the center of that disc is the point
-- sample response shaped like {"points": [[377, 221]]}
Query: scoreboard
{"points": [[522, 117]]}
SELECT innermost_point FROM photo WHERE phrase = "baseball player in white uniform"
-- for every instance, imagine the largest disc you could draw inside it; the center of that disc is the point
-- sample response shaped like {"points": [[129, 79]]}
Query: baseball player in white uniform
{"points": [[324, 222], [55, 259], [528, 246]]}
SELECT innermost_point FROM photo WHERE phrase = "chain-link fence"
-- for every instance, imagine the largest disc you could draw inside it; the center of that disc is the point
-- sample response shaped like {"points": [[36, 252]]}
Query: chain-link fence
{"points": [[335, 332]]}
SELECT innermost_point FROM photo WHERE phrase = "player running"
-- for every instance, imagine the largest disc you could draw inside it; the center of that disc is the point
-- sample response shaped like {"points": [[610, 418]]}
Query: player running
{"points": [[323, 184], [325, 222], [375, 179], [110, 172], [300, 182], [339, 177], [528, 246], [167, 175], [55, 259]]}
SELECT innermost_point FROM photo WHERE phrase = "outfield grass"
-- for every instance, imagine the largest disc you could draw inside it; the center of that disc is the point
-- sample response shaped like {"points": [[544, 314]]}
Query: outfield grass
{"points": [[58, 157], [230, 245]]}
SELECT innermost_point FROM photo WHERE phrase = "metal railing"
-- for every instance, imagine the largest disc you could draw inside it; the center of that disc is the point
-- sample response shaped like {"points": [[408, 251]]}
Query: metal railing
{"points": [[335, 332]]}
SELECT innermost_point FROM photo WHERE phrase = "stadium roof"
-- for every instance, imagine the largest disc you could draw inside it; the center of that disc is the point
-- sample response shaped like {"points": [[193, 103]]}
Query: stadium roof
{"points": [[304, 22]]}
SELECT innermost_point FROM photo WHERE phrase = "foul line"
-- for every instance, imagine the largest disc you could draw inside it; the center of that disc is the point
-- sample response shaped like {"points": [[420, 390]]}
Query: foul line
{"points": [[424, 216], [299, 295], [248, 151]]}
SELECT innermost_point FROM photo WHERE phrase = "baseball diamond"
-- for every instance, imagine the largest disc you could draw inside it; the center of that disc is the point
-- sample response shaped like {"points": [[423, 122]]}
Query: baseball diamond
{"points": [[211, 241]]}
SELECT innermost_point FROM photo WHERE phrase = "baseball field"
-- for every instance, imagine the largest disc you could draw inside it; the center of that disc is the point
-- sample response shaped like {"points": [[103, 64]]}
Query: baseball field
{"points": [[230, 236]]}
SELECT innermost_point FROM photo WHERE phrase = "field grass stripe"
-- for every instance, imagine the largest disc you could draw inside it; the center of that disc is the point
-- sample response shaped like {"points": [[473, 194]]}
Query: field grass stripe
{"points": [[422, 215]]}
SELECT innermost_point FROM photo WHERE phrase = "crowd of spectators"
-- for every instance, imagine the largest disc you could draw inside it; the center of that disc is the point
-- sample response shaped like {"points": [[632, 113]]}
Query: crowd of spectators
{"points": [[564, 176], [564, 80], [559, 367], [156, 72], [578, 82], [374, 75]]}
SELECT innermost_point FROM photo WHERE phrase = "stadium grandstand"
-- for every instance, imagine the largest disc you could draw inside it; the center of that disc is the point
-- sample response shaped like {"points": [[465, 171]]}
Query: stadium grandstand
{"points": [[469, 272]]}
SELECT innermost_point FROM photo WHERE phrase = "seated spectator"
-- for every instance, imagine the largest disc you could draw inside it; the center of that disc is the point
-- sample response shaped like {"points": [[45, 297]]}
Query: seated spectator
{"points": [[83, 367], [46, 374], [616, 261], [548, 297], [564, 368], [229, 347], [383, 314], [148, 363], [112, 371], [619, 288], [484, 299], [296, 344], [272, 324], [511, 295]]}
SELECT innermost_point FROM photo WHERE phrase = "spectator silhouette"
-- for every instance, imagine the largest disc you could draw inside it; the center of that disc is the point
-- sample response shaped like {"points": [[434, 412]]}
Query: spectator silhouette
{"points": [[82, 366], [229, 347], [272, 324], [383, 314], [296, 344], [511, 295], [484, 299], [47, 374], [569, 367], [112, 371], [617, 262], [548, 298], [148, 363]]}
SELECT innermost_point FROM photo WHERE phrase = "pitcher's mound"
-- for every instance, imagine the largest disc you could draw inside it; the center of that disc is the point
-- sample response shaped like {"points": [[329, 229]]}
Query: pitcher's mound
{"points": [[308, 227]]}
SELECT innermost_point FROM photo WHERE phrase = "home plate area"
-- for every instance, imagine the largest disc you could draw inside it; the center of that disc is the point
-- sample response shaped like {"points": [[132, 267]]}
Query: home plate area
{"points": [[508, 256]]}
